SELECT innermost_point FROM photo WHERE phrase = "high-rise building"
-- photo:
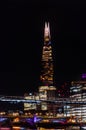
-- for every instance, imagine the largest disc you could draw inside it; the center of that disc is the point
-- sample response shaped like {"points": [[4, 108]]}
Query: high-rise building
{"points": [[47, 88], [47, 60], [78, 93]]}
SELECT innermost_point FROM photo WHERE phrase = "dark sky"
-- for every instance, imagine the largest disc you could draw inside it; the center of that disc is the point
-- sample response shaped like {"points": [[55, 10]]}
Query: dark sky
{"points": [[22, 24]]}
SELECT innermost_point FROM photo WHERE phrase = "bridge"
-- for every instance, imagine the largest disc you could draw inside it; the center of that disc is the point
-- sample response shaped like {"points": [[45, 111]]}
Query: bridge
{"points": [[56, 101]]}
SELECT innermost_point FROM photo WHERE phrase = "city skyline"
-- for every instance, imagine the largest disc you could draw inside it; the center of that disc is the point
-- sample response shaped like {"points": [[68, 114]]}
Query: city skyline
{"points": [[23, 42]]}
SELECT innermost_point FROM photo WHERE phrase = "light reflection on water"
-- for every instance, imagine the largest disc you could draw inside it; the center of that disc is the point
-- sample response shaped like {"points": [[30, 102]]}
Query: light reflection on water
{"points": [[49, 129], [22, 128]]}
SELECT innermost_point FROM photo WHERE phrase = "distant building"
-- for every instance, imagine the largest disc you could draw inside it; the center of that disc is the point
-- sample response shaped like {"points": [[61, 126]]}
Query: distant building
{"points": [[29, 106], [47, 90], [78, 93]]}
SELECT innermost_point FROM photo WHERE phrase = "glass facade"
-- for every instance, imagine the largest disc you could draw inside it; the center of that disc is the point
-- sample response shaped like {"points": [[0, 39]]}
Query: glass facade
{"points": [[78, 93], [47, 89], [46, 76]]}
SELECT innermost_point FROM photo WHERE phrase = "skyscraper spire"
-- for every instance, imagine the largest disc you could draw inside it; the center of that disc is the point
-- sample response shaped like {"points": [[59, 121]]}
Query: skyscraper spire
{"points": [[47, 32], [47, 88], [47, 59]]}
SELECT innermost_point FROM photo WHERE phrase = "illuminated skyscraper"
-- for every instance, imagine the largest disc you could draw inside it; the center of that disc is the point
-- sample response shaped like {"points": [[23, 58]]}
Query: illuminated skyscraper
{"points": [[47, 60], [47, 89]]}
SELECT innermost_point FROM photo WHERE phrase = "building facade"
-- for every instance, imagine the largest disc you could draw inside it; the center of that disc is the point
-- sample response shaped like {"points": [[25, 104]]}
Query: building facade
{"points": [[78, 94], [47, 89]]}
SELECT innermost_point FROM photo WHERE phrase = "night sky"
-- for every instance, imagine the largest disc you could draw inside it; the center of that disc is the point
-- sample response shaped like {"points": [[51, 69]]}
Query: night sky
{"points": [[22, 26]]}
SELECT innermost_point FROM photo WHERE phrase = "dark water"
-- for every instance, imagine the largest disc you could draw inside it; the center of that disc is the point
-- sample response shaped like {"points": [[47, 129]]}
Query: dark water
{"points": [[22, 128]]}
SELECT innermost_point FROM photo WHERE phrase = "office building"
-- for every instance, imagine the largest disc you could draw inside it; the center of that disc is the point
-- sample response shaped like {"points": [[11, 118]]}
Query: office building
{"points": [[78, 93], [47, 89]]}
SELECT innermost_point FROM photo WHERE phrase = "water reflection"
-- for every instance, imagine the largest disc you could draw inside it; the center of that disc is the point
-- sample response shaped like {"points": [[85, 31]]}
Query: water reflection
{"points": [[22, 128], [49, 129]]}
